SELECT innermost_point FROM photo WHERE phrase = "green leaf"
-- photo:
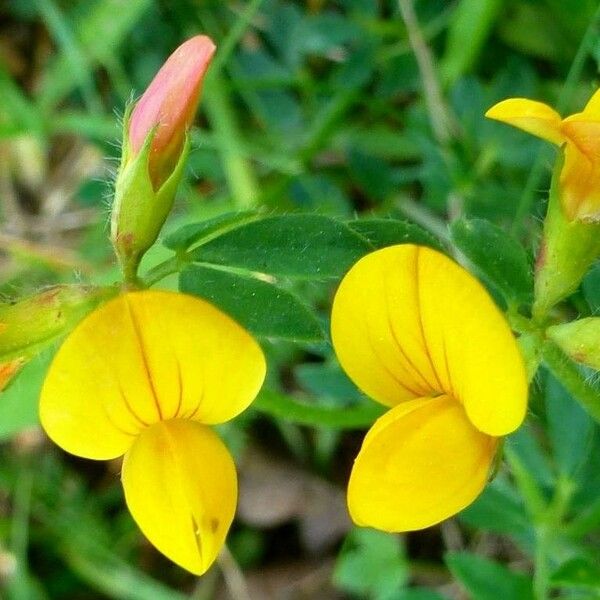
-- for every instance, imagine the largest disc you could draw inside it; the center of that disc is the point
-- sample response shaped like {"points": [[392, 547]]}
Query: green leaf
{"points": [[289, 409], [527, 447], [327, 380], [263, 308], [372, 564], [570, 428], [487, 580], [577, 573], [591, 288], [500, 259], [471, 23], [301, 246], [197, 233], [419, 594], [498, 509], [573, 378], [18, 113], [388, 232], [19, 401]]}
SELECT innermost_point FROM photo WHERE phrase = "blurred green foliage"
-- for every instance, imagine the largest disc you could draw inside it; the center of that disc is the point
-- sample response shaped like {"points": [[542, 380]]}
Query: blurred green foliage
{"points": [[319, 107]]}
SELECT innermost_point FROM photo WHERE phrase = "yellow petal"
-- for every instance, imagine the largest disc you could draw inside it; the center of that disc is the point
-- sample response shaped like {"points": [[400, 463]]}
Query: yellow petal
{"points": [[592, 108], [421, 462], [181, 488], [407, 319], [533, 117], [376, 335], [143, 357], [580, 175]]}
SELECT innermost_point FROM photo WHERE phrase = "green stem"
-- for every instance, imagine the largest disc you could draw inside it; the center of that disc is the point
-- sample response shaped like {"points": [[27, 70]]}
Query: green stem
{"points": [[235, 34], [19, 534], [164, 269], [288, 409], [537, 507], [244, 188], [533, 497]]}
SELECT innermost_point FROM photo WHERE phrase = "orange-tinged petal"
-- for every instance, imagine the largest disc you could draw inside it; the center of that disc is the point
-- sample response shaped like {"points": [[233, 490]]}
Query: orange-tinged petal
{"points": [[143, 357], [181, 488], [531, 116], [409, 322], [169, 104], [580, 175], [421, 462]]}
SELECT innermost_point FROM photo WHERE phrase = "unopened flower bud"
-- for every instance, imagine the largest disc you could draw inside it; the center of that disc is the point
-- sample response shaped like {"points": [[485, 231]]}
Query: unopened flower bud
{"points": [[30, 324], [155, 148], [568, 249], [579, 340]]}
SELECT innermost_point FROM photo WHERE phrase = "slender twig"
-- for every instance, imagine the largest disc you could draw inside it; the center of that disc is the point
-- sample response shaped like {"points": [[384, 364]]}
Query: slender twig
{"points": [[234, 578], [440, 118]]}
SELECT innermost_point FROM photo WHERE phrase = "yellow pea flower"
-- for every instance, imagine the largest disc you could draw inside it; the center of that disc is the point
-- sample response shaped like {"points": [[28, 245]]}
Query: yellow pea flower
{"points": [[580, 134], [419, 334], [145, 376]]}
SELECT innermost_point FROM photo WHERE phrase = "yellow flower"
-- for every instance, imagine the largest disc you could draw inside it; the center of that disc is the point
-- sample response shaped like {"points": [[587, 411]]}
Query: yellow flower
{"points": [[419, 334], [580, 135], [145, 376]]}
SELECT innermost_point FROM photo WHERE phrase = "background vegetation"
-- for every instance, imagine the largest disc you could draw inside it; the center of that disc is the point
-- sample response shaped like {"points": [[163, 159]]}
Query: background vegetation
{"points": [[341, 108]]}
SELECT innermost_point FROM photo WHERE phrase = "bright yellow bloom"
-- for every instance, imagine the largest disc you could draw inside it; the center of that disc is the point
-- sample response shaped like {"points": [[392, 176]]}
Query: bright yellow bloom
{"points": [[144, 376], [419, 334], [580, 135]]}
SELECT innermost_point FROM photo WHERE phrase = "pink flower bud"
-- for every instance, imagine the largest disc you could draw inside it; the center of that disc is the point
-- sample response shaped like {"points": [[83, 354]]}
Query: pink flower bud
{"points": [[169, 104]]}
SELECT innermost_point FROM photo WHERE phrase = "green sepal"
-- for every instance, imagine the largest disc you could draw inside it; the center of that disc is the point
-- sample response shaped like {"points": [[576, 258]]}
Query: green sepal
{"points": [[568, 250], [139, 211], [580, 340]]}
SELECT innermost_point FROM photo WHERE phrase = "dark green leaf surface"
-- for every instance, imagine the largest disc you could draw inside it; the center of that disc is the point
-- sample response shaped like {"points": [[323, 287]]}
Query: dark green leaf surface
{"points": [[194, 233], [388, 232], [578, 573], [302, 246], [499, 258], [372, 564], [487, 580], [570, 428], [263, 308]]}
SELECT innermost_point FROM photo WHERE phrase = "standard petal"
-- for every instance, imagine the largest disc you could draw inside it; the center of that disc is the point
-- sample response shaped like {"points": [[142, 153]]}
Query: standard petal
{"points": [[143, 357], [533, 117], [181, 488], [375, 331], [592, 108], [471, 344], [421, 462], [580, 185], [409, 322], [204, 365]]}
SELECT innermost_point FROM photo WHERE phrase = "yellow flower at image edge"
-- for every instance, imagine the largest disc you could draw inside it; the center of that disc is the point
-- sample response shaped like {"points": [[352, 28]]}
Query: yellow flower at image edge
{"points": [[419, 334], [145, 376], [580, 133]]}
